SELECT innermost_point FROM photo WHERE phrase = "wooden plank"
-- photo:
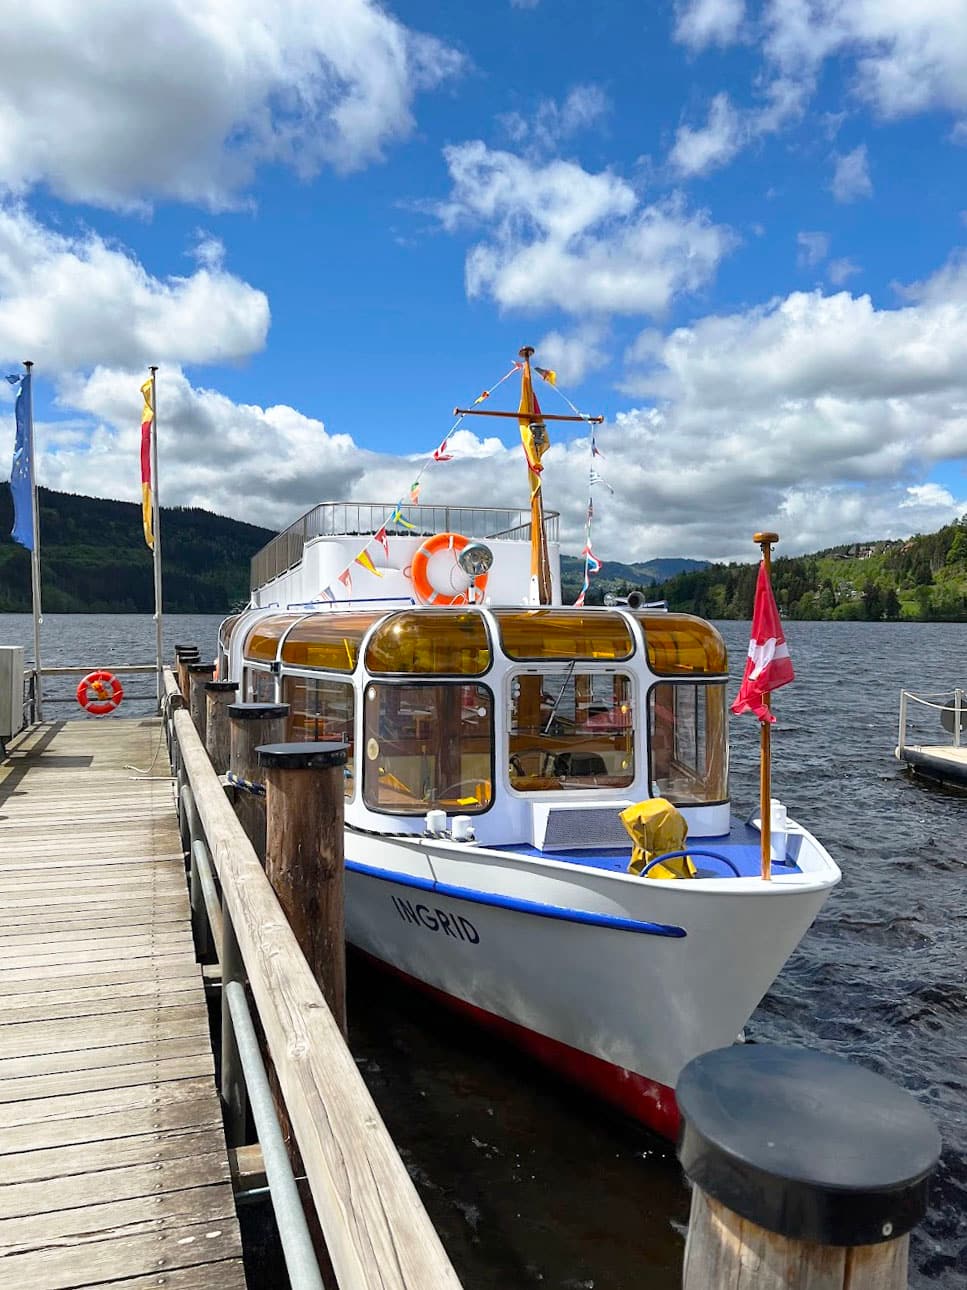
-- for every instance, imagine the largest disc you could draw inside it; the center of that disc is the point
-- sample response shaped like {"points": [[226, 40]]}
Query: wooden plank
{"points": [[96, 881], [141, 915], [86, 1117], [65, 1265], [88, 1157], [103, 1186], [84, 898], [30, 1087], [139, 1052], [140, 1215], [227, 1275], [105, 1030], [46, 956], [29, 981], [70, 1004], [117, 938]]}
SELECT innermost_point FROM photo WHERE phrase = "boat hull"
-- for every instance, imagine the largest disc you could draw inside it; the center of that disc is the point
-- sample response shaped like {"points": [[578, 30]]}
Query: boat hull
{"points": [[619, 1010]]}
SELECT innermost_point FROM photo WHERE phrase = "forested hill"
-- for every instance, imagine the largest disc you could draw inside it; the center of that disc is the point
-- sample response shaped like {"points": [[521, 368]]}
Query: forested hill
{"points": [[95, 559], [920, 578]]}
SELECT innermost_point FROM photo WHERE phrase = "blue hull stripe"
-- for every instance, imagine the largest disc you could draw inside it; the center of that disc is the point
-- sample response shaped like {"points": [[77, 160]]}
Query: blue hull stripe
{"points": [[513, 903]]}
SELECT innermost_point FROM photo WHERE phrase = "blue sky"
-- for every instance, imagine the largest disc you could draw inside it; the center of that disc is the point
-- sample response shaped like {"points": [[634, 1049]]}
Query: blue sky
{"points": [[735, 229]]}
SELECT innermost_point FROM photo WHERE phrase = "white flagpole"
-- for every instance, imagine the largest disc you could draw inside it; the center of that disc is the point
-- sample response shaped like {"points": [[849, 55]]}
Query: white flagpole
{"points": [[35, 553], [156, 529]]}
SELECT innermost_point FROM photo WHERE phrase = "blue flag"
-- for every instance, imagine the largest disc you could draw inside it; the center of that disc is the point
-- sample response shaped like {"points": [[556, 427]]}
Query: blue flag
{"points": [[22, 470]]}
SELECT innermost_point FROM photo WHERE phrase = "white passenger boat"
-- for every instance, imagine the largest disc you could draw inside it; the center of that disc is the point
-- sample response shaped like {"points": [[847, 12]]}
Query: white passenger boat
{"points": [[492, 745]]}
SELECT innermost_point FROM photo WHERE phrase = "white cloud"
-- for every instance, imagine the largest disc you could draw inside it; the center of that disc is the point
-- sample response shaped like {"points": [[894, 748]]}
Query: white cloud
{"points": [[813, 248], [839, 271], [560, 236], [851, 176], [573, 355], [700, 23], [928, 495], [544, 129], [124, 103], [695, 152], [70, 302]]}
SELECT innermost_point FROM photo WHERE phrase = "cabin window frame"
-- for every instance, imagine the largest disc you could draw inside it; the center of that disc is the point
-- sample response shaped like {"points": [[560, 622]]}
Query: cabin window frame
{"points": [[431, 678], [695, 680], [348, 680], [367, 767], [522, 662], [623, 668], [248, 670]]}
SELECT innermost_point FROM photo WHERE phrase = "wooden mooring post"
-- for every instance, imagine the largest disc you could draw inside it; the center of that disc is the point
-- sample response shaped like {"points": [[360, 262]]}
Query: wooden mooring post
{"points": [[304, 785], [218, 731], [198, 674], [185, 654], [808, 1172], [253, 724]]}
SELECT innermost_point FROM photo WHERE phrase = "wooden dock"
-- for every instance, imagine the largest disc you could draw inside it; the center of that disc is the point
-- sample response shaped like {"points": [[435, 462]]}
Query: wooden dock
{"points": [[113, 1167], [943, 763]]}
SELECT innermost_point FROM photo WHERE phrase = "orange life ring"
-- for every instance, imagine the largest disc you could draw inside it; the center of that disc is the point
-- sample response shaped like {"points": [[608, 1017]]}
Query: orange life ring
{"points": [[426, 592], [100, 693]]}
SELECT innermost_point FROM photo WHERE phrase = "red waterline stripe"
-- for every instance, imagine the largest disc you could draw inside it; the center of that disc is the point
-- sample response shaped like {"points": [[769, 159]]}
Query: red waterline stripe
{"points": [[643, 1099]]}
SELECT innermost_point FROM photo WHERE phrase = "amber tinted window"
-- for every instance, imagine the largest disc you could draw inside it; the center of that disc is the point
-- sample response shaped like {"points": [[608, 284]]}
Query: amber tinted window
{"points": [[321, 710], [680, 645], [263, 639], [428, 746], [444, 642], [593, 635], [330, 641], [687, 742]]}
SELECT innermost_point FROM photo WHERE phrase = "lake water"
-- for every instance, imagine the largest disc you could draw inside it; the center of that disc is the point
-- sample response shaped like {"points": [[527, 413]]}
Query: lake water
{"points": [[532, 1184]]}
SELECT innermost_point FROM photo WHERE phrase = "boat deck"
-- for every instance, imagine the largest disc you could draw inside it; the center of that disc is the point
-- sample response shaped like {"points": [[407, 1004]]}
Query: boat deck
{"points": [[742, 846], [941, 762], [113, 1167]]}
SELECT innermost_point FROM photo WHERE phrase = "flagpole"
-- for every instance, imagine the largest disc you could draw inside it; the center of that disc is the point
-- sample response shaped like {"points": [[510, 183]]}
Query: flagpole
{"points": [[35, 553], [156, 529], [765, 541]]}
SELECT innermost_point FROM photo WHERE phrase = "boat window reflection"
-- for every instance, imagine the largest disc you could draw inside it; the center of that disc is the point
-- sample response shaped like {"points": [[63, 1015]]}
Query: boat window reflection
{"points": [[327, 640], [321, 710], [687, 741], [263, 640], [592, 634], [570, 729], [441, 641], [428, 746]]}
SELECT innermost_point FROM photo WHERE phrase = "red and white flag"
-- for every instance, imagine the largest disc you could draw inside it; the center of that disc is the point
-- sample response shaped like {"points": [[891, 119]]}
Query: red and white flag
{"points": [[768, 665]]}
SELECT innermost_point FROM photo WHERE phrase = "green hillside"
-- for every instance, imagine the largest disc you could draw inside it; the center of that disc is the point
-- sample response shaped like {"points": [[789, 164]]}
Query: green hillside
{"points": [[618, 579], [917, 579], [95, 559]]}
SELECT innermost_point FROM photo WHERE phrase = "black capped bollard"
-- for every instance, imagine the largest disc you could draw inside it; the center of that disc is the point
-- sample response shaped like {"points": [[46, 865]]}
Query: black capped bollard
{"points": [[252, 724], [218, 734], [184, 655], [808, 1172], [198, 674]]}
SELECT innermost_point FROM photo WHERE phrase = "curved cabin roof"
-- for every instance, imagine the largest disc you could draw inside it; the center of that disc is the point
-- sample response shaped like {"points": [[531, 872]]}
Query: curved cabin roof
{"points": [[449, 642]]}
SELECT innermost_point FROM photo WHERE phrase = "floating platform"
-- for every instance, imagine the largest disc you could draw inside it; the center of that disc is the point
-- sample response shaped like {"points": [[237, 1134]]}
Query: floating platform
{"points": [[113, 1165], [945, 764]]}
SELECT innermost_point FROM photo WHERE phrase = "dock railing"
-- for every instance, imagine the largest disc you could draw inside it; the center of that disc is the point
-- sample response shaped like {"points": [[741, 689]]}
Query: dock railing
{"points": [[946, 709], [376, 1231]]}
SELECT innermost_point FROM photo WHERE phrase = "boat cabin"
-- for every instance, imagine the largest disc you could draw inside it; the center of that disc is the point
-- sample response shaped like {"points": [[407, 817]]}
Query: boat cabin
{"points": [[540, 723]]}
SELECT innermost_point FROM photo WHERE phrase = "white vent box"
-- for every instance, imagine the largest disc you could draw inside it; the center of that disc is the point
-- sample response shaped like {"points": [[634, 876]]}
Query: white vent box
{"points": [[575, 826], [11, 690]]}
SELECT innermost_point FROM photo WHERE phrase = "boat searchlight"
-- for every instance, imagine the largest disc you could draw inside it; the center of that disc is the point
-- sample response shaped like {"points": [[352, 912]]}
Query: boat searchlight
{"points": [[475, 560]]}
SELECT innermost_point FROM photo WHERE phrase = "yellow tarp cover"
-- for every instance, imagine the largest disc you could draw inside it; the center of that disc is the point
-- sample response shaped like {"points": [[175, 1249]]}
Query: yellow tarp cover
{"points": [[656, 827]]}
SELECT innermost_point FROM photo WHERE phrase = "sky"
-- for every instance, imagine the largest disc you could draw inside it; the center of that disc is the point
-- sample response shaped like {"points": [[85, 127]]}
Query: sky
{"points": [[736, 229]]}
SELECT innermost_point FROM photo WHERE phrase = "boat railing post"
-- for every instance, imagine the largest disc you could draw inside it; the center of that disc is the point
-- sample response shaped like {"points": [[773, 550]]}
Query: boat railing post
{"points": [[196, 895], [903, 720], [807, 1172], [958, 710], [234, 1097]]}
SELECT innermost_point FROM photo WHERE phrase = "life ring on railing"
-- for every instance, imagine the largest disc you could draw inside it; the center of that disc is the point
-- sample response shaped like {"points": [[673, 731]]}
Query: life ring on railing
{"points": [[100, 693], [424, 588]]}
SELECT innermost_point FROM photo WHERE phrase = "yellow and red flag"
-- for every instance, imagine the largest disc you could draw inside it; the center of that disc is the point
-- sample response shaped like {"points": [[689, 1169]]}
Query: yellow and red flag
{"points": [[365, 560], [147, 420]]}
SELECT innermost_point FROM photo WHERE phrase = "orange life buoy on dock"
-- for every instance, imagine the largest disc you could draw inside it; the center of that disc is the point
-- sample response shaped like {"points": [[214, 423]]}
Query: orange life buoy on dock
{"points": [[100, 693], [424, 588]]}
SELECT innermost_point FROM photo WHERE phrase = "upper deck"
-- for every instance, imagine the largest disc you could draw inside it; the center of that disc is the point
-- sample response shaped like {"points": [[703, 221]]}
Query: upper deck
{"points": [[362, 519]]}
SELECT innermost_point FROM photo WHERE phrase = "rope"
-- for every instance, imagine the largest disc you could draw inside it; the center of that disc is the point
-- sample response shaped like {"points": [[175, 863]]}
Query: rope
{"points": [[940, 707], [246, 785]]}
